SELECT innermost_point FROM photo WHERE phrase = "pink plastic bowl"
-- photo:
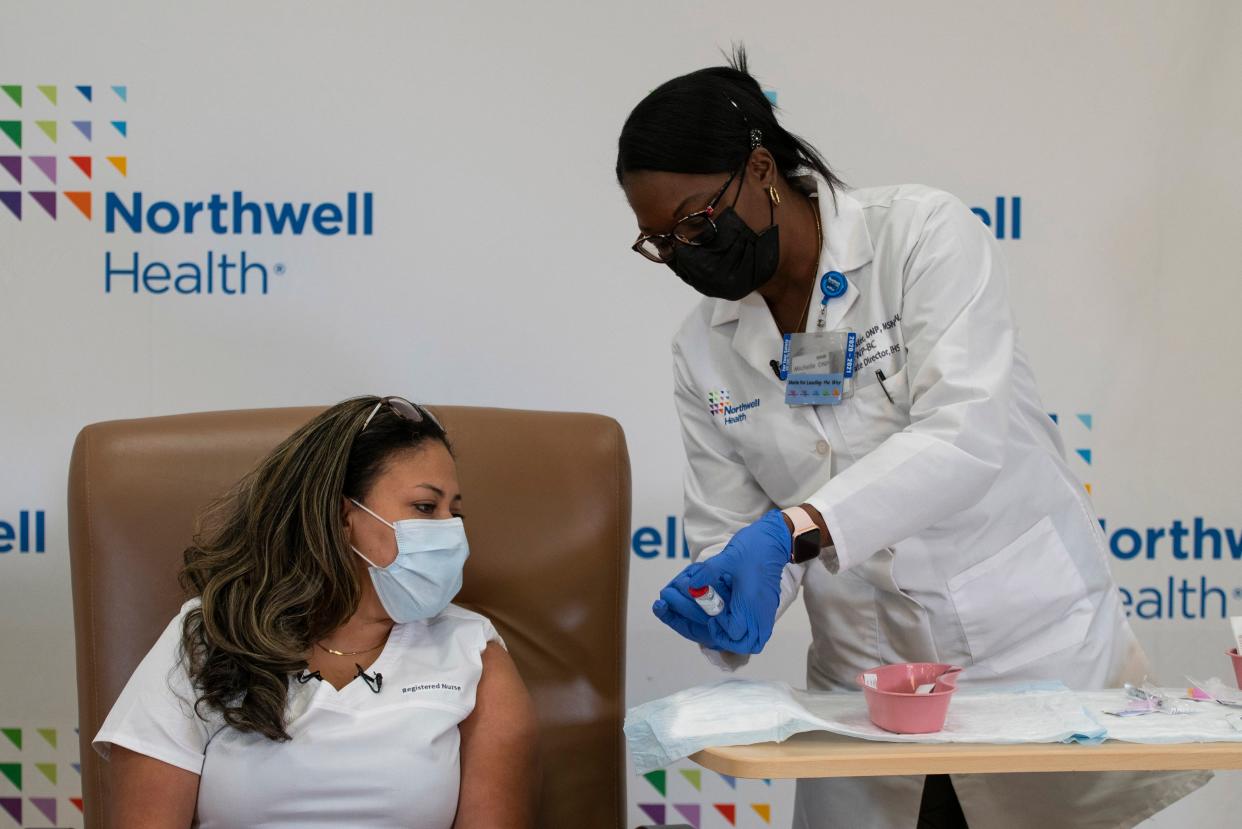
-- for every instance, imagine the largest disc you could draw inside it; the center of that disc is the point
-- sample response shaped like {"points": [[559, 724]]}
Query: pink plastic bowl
{"points": [[1237, 665], [894, 705]]}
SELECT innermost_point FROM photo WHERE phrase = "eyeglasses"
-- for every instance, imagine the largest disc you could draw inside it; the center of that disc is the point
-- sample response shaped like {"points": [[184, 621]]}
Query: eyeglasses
{"points": [[402, 408], [696, 229]]}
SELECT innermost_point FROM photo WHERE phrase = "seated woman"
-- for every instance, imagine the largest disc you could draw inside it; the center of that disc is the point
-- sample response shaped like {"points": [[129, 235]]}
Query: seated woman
{"points": [[318, 676]]}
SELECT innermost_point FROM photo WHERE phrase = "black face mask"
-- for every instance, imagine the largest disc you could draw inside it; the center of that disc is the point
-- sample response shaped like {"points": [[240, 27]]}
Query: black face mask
{"points": [[735, 263]]}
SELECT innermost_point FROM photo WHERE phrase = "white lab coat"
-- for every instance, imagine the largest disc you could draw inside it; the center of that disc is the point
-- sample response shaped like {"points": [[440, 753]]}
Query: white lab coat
{"points": [[960, 533]]}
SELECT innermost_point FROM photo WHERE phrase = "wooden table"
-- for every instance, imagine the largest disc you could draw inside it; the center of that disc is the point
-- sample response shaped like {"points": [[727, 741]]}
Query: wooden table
{"points": [[822, 754]]}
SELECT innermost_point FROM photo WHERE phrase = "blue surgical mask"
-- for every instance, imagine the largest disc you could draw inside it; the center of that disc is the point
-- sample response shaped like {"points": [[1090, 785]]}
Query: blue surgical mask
{"points": [[426, 574]]}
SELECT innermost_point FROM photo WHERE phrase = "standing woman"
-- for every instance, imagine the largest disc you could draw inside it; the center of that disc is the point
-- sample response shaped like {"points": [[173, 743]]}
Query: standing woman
{"points": [[860, 422]]}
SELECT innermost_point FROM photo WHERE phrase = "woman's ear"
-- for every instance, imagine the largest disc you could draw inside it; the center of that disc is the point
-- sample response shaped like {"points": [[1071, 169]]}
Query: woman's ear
{"points": [[347, 516], [762, 166]]}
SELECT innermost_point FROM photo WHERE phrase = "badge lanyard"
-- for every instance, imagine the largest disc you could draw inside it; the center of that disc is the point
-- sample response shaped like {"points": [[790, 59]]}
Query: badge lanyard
{"points": [[818, 367], [832, 285]]}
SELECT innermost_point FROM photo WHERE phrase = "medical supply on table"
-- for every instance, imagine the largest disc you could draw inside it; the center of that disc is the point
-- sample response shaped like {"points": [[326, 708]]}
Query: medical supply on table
{"points": [[707, 599], [745, 712], [1213, 690], [1203, 722], [910, 698], [1147, 699]]}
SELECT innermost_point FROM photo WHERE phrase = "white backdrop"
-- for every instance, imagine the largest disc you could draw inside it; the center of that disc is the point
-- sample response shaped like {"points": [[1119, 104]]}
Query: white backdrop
{"points": [[498, 270]]}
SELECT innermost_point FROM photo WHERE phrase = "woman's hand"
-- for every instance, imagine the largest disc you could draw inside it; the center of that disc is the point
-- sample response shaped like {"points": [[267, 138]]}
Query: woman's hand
{"points": [[747, 575]]}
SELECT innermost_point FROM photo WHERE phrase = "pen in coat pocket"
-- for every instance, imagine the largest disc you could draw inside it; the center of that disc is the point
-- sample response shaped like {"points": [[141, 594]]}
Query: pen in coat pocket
{"points": [[879, 375]]}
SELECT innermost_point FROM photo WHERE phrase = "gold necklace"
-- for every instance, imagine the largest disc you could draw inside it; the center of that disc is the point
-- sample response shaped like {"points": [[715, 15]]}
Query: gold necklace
{"points": [[819, 234], [350, 653]]}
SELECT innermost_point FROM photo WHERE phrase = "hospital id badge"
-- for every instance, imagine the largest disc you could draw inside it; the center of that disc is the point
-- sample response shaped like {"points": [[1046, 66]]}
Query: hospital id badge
{"points": [[818, 367]]}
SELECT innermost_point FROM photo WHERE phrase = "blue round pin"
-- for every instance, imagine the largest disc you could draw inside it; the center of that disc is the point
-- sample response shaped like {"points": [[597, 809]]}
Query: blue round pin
{"points": [[833, 285]]}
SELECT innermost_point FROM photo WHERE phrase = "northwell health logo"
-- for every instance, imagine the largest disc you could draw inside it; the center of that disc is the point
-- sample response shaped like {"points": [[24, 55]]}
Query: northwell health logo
{"points": [[721, 403], [24, 533], [64, 155], [38, 123]]}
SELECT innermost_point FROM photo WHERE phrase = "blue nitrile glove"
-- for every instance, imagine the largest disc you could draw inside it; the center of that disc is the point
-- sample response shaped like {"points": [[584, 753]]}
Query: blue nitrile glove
{"points": [[747, 575]]}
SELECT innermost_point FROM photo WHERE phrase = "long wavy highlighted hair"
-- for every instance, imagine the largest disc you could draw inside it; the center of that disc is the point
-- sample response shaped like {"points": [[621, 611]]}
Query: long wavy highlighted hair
{"points": [[272, 566]]}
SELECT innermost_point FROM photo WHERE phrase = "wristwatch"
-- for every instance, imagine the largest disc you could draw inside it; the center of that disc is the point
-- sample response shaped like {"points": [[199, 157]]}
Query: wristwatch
{"points": [[806, 535]]}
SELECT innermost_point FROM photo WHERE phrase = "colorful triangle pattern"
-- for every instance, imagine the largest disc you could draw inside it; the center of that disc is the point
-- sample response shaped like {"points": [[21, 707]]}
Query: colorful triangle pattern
{"points": [[84, 127], [763, 810], [13, 805], [46, 165], [46, 805], [659, 779], [49, 129], [13, 771], [122, 92], [1086, 420], [694, 777], [85, 89], [49, 92], [76, 801], [14, 735], [122, 128], [1085, 454], [120, 162], [13, 129], [14, 91], [692, 812], [83, 163], [48, 770], [731, 782], [81, 199], [12, 199], [728, 811], [13, 164], [656, 811], [45, 199]]}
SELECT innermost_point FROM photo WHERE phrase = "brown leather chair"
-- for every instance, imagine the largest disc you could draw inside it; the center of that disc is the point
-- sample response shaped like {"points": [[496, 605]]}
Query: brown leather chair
{"points": [[549, 510]]}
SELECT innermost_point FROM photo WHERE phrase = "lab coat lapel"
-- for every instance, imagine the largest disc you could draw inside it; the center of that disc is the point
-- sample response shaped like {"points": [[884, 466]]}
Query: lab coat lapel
{"points": [[847, 248], [756, 338]]}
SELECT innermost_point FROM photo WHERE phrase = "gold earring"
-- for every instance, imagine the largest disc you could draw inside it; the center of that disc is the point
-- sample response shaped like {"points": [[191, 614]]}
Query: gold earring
{"points": [[773, 195]]}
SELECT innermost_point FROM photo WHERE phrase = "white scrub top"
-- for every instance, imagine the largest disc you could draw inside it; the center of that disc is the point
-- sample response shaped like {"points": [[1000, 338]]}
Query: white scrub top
{"points": [[356, 759], [961, 535]]}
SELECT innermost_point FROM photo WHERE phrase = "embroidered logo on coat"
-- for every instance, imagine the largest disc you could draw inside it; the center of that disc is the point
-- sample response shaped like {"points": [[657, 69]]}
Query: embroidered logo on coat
{"points": [[721, 403]]}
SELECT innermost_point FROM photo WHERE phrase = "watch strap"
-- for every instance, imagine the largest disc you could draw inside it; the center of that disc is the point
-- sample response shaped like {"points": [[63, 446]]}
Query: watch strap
{"points": [[801, 519], [806, 535]]}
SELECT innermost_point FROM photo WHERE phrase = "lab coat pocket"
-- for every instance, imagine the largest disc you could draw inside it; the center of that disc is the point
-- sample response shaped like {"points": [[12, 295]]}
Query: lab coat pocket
{"points": [[875, 410], [1025, 602]]}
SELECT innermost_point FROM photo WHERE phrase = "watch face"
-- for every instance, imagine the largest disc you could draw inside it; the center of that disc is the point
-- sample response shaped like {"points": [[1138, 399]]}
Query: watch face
{"points": [[806, 546]]}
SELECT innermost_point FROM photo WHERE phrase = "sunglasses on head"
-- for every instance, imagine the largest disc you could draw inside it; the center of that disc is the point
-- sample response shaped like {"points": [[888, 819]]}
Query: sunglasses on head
{"points": [[404, 409]]}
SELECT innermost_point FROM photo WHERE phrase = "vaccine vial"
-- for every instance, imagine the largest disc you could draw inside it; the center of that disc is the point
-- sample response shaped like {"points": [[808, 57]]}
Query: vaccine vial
{"points": [[708, 600]]}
